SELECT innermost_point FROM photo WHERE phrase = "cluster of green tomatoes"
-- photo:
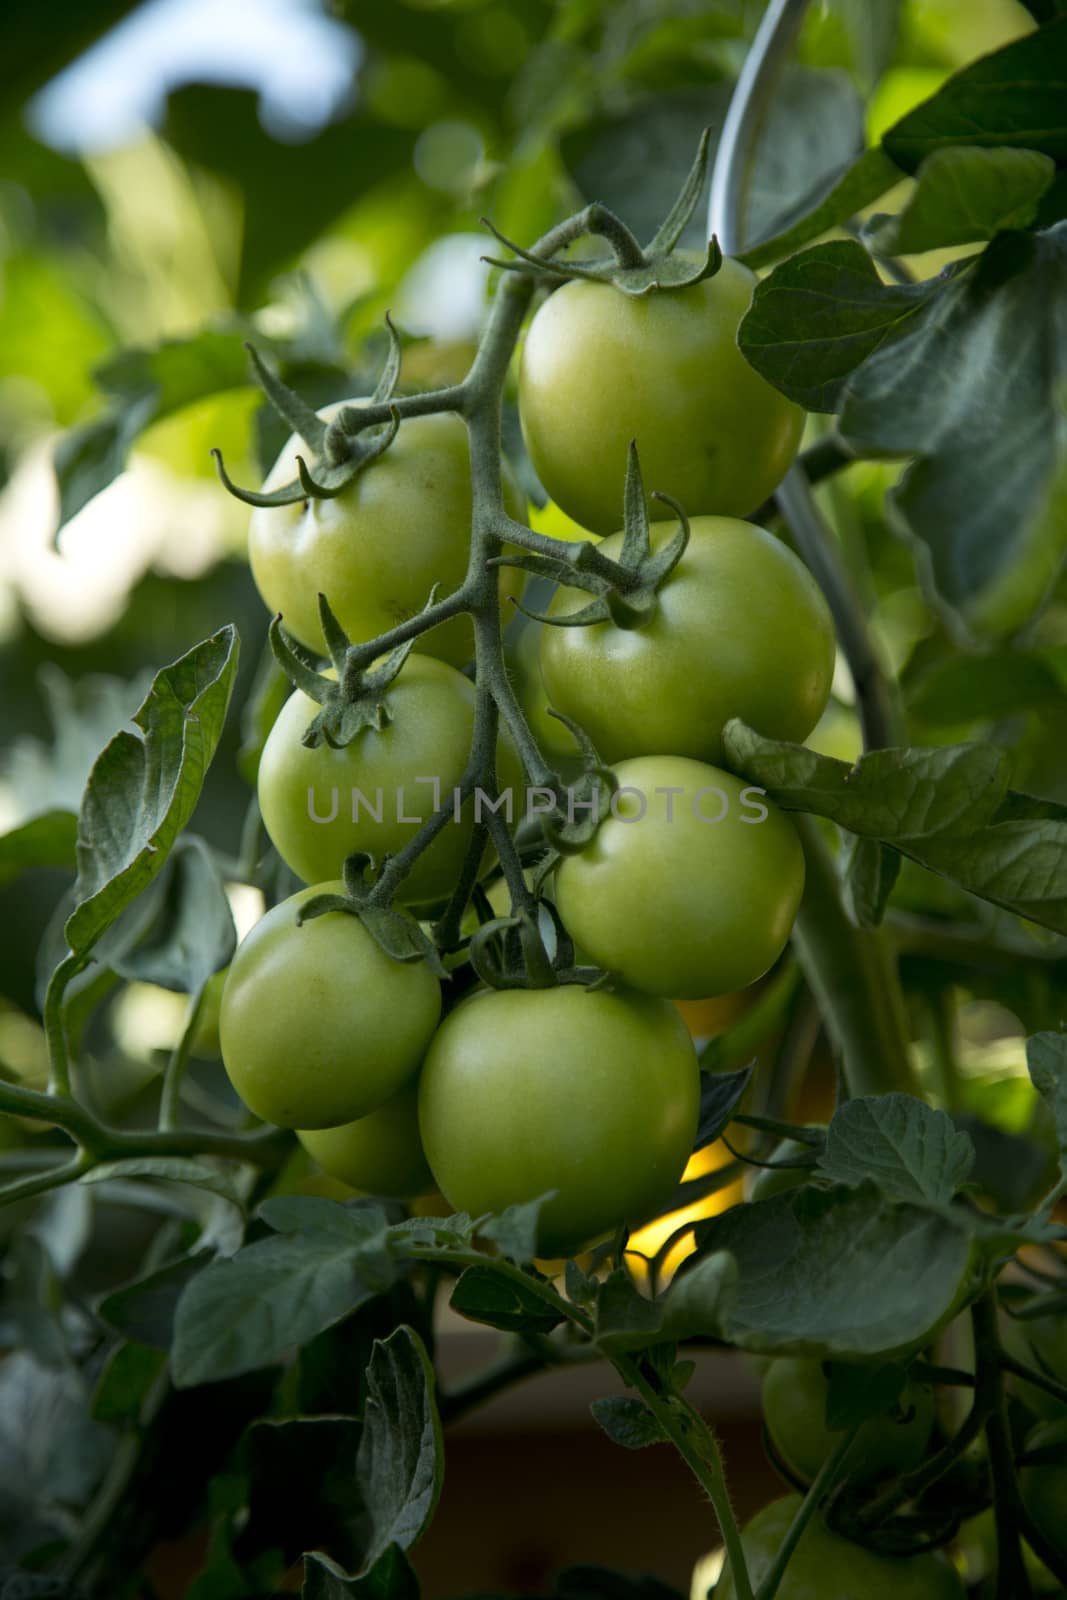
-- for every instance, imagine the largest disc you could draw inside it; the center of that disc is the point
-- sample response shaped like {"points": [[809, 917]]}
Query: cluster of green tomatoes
{"points": [[689, 885]]}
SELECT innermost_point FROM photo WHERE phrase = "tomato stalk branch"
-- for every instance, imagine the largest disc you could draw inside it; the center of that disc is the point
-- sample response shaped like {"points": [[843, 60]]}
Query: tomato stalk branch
{"points": [[825, 1479], [699, 1449], [100, 1142], [1013, 1582], [174, 1072]]}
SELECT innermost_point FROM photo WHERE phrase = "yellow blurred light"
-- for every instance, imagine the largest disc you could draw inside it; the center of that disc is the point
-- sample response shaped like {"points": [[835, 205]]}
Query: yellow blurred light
{"points": [[556, 523], [23, 1051], [706, 1573], [148, 1019], [647, 1240], [247, 905]]}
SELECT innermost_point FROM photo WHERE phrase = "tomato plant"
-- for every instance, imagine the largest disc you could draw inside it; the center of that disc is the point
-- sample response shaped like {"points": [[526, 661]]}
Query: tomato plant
{"points": [[675, 993], [691, 884], [317, 1025], [740, 629], [599, 370]]}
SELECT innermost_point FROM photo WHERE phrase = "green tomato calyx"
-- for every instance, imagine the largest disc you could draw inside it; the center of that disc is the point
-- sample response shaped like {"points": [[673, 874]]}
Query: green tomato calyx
{"points": [[511, 952], [355, 697], [632, 269], [341, 448], [625, 591], [394, 930]]}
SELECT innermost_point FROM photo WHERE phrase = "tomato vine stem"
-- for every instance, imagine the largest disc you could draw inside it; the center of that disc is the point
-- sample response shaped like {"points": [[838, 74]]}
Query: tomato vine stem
{"points": [[852, 971]]}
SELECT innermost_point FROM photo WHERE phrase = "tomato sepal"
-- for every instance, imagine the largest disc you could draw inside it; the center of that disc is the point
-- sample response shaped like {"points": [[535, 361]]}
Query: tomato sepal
{"points": [[393, 930], [634, 270]]}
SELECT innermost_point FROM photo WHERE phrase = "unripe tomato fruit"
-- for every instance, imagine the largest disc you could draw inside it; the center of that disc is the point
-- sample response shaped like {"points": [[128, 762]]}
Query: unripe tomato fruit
{"points": [[383, 777], [601, 367], [673, 901], [318, 1025], [824, 1566], [377, 549], [794, 1409], [594, 1095], [380, 1153], [740, 629]]}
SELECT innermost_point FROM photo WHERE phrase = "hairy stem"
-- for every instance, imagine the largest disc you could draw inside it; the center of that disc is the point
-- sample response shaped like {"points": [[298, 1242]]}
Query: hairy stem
{"points": [[1013, 1582], [825, 1479], [699, 1449]]}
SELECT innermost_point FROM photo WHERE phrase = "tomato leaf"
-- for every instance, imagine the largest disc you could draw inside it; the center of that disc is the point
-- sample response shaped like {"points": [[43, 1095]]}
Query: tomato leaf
{"points": [[483, 1294], [47, 840], [858, 1390], [970, 687], [909, 1150], [861, 183], [965, 373], [166, 1169], [831, 1271], [947, 808], [963, 195], [625, 1320], [391, 1578], [400, 1464], [720, 1095], [144, 1310], [1013, 97], [129, 1376], [514, 1231], [247, 1312], [142, 790], [985, 500], [144, 386], [820, 315], [192, 936], [870, 871], [1046, 1058], [628, 1422]]}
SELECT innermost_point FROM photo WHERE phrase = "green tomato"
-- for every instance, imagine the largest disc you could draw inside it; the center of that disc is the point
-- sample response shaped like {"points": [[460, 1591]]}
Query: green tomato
{"points": [[374, 794], [740, 629], [824, 1566], [318, 1025], [377, 549], [601, 367], [794, 1409], [593, 1095], [673, 900], [380, 1153]]}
